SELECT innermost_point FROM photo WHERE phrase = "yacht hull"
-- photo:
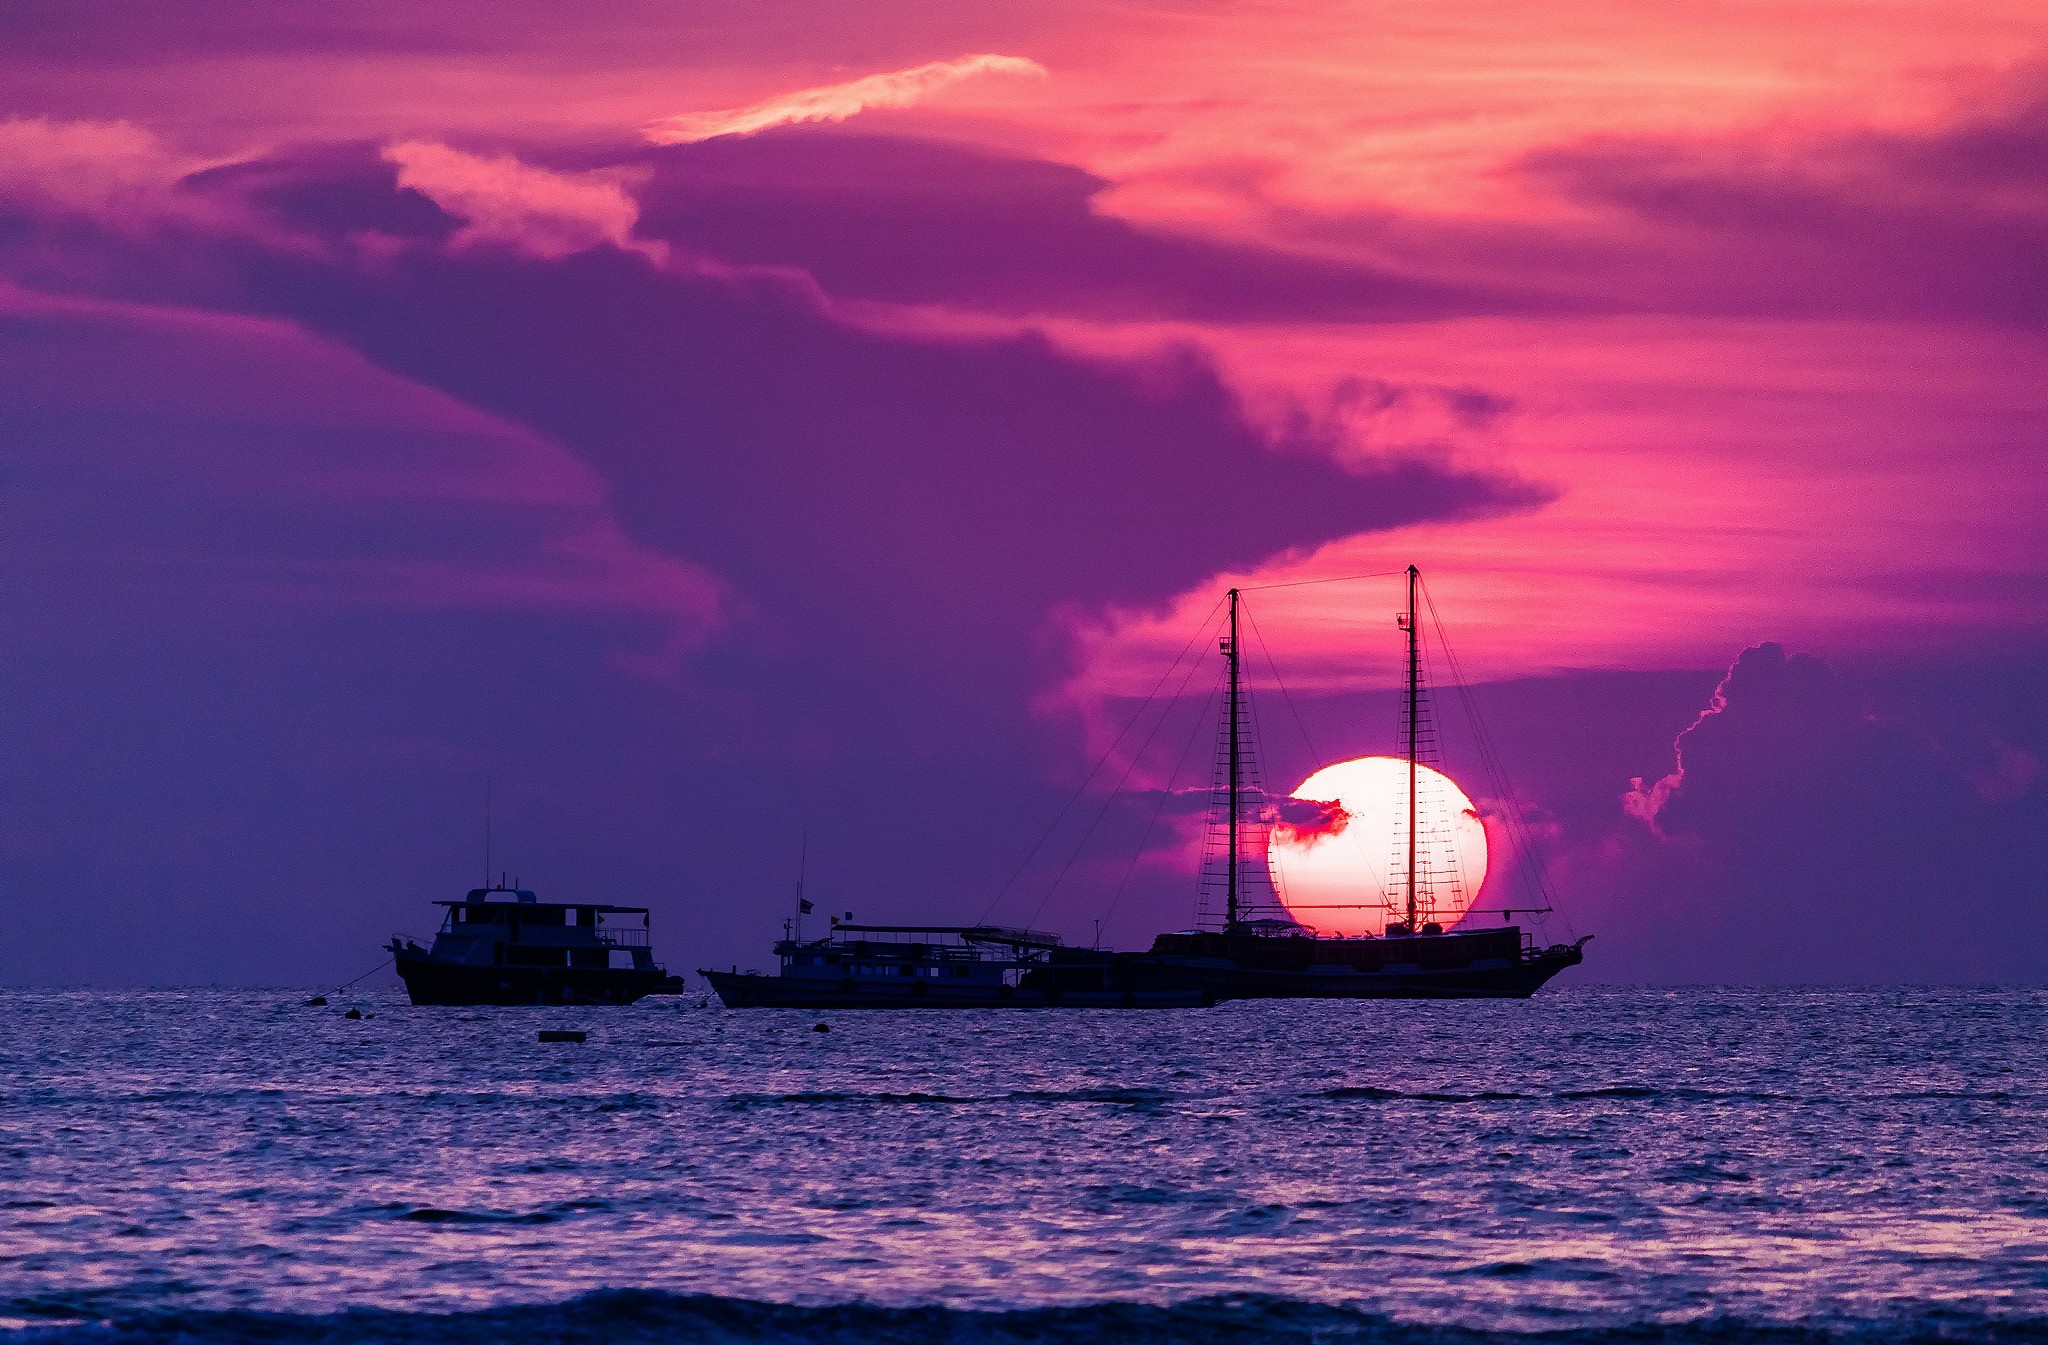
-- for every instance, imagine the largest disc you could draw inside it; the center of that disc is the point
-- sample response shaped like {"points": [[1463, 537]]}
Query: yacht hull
{"points": [[1490, 964], [446, 984], [1229, 982]]}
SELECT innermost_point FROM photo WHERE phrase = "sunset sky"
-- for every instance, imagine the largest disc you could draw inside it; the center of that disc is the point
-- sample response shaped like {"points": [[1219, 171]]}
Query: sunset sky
{"points": [[728, 431]]}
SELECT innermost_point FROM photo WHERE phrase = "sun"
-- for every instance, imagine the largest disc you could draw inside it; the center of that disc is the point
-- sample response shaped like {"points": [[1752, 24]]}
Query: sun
{"points": [[1352, 878]]}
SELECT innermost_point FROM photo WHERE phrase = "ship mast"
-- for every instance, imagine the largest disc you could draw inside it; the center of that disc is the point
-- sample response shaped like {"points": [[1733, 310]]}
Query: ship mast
{"points": [[1236, 766], [1414, 723]]}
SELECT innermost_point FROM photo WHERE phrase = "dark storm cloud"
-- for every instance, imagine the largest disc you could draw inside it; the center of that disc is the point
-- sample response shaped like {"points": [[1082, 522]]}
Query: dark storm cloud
{"points": [[1803, 836], [738, 423], [331, 192]]}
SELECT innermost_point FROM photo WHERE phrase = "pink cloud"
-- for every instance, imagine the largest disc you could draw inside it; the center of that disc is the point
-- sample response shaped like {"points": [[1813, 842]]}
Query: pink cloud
{"points": [[1717, 481], [504, 202], [114, 172], [837, 102]]}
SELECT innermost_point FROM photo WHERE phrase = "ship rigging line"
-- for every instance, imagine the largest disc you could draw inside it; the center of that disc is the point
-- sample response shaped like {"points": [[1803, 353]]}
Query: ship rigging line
{"points": [[1534, 877], [1152, 824], [1385, 902], [1102, 761], [1329, 579], [1131, 766], [1315, 753], [1264, 789]]}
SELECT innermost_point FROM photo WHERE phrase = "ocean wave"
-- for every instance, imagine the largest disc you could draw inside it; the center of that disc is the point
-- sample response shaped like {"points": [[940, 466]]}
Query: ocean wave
{"points": [[1620, 1092], [628, 1317], [1369, 1094], [434, 1214], [1116, 1096], [750, 1101]]}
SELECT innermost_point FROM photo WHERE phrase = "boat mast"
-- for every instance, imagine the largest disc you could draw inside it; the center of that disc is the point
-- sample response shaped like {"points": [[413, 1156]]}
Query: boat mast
{"points": [[1236, 766], [1414, 721]]}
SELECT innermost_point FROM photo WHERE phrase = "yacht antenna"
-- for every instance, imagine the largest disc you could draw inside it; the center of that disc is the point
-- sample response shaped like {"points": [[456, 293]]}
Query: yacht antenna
{"points": [[1236, 766], [803, 856]]}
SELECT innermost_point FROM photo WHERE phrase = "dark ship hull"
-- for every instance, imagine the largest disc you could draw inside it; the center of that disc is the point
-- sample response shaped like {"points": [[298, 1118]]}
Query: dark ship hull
{"points": [[750, 990], [1481, 964], [446, 984]]}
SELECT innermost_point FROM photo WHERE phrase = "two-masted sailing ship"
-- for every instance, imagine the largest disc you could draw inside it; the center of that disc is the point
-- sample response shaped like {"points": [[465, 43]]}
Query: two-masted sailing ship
{"points": [[1254, 947], [1260, 950]]}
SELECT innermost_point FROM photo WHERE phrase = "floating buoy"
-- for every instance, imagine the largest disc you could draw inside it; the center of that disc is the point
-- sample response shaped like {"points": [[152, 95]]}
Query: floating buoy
{"points": [[317, 1002], [557, 1034], [353, 1013], [821, 1027]]}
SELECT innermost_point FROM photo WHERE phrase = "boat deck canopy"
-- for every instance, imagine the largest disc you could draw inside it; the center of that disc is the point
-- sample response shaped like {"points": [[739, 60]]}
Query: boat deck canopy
{"points": [[976, 933], [524, 898]]}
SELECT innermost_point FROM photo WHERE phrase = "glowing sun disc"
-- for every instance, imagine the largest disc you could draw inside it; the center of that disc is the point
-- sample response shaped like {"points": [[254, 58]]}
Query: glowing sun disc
{"points": [[1341, 881]]}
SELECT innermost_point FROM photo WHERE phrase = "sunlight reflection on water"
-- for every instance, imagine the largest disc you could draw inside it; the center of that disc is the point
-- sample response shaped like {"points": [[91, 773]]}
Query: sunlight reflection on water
{"points": [[1594, 1156]]}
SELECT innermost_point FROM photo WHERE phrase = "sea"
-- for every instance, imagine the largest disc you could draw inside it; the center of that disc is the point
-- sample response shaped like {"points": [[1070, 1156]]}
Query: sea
{"points": [[1597, 1164]]}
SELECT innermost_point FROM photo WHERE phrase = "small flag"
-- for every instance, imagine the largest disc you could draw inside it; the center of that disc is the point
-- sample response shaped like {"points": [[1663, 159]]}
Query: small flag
{"points": [[803, 906]]}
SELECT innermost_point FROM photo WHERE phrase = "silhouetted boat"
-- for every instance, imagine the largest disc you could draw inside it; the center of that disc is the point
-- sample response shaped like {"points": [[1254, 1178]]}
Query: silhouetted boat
{"points": [[949, 967], [503, 945], [1260, 951], [1256, 951]]}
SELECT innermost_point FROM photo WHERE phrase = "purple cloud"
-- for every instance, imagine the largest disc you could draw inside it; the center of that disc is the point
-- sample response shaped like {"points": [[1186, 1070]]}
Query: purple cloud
{"points": [[1949, 223], [918, 222], [1804, 837]]}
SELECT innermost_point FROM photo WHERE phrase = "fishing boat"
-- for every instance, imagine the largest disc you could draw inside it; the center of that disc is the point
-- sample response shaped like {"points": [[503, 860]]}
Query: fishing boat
{"points": [[1258, 947], [503, 945], [857, 966]]}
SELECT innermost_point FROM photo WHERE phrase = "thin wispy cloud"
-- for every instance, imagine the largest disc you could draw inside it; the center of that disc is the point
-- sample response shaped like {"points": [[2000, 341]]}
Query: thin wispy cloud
{"points": [[837, 102]]}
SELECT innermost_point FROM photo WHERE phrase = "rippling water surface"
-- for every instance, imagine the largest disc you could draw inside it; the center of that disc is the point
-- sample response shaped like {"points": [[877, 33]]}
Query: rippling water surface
{"points": [[1848, 1162]]}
